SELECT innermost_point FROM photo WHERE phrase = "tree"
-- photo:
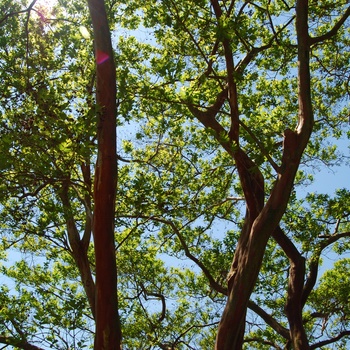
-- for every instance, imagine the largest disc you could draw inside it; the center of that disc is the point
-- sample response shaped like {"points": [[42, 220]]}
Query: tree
{"points": [[228, 105], [108, 333]]}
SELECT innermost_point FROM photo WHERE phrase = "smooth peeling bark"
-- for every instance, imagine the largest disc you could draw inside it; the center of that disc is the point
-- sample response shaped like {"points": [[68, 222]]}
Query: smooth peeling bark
{"points": [[246, 265], [258, 228], [108, 332], [260, 223], [252, 243], [294, 303]]}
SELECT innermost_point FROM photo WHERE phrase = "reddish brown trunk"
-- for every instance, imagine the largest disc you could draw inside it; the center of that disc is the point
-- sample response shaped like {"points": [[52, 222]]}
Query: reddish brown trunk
{"points": [[247, 262], [108, 333], [261, 222], [294, 303]]}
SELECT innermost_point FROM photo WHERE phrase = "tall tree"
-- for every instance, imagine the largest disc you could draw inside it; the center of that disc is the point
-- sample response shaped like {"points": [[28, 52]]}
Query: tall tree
{"points": [[236, 45], [108, 333]]}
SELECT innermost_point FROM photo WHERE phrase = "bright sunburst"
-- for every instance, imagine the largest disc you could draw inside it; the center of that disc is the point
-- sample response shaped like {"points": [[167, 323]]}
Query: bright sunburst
{"points": [[45, 9]]}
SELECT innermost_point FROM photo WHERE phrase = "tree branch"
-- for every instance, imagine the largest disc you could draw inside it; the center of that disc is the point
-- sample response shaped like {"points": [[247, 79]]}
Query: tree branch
{"points": [[78, 250], [294, 305], [313, 268], [158, 296], [306, 119], [22, 344], [191, 327], [256, 50], [330, 341], [333, 31], [11, 14], [213, 284], [261, 147], [209, 62], [284, 332]]}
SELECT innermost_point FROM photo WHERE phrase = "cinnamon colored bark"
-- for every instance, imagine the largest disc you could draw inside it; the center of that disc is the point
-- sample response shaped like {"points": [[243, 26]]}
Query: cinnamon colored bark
{"points": [[108, 332], [294, 304], [261, 219]]}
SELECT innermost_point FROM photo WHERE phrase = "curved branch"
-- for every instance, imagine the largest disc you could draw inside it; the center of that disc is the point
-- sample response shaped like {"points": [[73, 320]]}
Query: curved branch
{"points": [[22, 344], [333, 238], [35, 192], [216, 286], [313, 268], [29, 8], [330, 341], [213, 284], [284, 332], [158, 296], [207, 117], [333, 31]]}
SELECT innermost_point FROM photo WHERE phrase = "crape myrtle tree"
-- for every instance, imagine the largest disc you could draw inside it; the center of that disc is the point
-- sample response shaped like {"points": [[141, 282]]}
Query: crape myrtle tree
{"points": [[225, 111]]}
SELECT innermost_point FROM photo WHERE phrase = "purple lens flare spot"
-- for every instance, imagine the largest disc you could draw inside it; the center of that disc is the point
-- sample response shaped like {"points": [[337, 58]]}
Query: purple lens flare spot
{"points": [[101, 57]]}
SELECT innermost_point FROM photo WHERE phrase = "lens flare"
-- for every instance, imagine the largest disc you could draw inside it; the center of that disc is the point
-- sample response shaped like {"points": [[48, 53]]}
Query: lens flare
{"points": [[101, 57]]}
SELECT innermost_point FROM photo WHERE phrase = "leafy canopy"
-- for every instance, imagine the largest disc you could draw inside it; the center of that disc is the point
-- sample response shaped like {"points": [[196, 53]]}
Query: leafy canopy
{"points": [[180, 204]]}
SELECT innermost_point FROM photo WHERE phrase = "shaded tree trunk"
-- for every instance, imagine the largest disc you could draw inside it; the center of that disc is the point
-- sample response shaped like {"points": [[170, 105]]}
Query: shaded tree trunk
{"points": [[79, 247], [108, 332], [294, 304]]}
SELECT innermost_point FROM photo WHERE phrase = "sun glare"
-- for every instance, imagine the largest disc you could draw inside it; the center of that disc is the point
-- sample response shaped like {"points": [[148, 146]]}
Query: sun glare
{"points": [[44, 8]]}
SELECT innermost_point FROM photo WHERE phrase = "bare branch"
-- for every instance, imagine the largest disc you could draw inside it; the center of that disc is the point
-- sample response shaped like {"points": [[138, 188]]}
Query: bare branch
{"points": [[194, 326], [314, 263], [158, 296]]}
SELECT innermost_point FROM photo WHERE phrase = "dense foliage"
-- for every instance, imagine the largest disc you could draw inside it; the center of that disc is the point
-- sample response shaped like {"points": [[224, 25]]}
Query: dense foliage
{"points": [[180, 203]]}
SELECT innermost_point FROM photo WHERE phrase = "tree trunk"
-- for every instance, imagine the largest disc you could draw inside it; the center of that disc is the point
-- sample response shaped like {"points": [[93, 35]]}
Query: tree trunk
{"points": [[79, 248], [260, 224], [294, 304], [108, 331]]}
